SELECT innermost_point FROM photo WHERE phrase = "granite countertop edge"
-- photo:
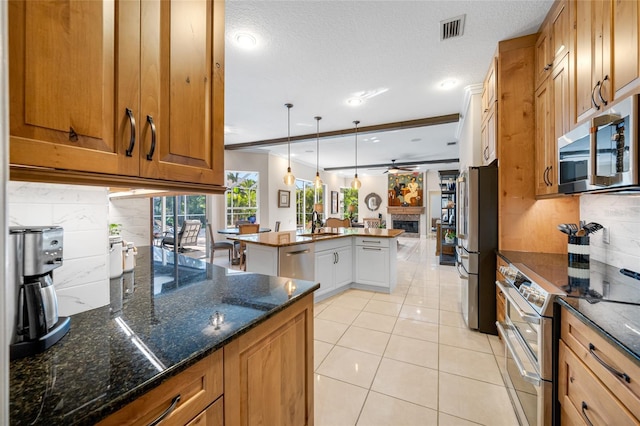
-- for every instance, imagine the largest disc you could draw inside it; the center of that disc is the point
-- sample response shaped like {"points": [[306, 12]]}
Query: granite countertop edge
{"points": [[603, 333], [293, 238]]}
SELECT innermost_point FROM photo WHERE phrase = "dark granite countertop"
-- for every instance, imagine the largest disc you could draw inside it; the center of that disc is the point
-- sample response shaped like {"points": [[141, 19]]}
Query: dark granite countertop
{"points": [[116, 353], [612, 316]]}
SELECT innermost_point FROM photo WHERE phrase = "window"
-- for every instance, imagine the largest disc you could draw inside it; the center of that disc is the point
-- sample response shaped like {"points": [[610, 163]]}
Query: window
{"points": [[241, 197], [306, 197], [349, 203], [190, 207]]}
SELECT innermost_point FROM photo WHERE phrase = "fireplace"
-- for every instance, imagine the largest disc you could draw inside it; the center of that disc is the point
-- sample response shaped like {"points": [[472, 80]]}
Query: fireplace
{"points": [[409, 226], [409, 222]]}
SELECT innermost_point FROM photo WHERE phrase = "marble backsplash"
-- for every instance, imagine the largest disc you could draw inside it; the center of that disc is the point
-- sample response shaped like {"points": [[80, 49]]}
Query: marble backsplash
{"points": [[620, 214], [82, 282], [134, 216]]}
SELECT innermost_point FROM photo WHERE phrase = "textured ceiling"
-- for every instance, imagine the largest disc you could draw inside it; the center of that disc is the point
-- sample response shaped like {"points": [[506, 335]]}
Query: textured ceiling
{"points": [[317, 54]]}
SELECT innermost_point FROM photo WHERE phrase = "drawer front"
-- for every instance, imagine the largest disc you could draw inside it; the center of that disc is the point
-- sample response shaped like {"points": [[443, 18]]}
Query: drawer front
{"points": [[198, 386], [377, 242], [584, 399], [212, 416], [595, 352], [332, 244]]}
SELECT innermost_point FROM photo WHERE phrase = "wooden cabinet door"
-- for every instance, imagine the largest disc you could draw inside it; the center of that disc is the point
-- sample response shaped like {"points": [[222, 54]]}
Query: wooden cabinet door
{"points": [[72, 75], [182, 95], [625, 15], [543, 55], [544, 130], [559, 33], [488, 135], [212, 416], [584, 58], [268, 371]]}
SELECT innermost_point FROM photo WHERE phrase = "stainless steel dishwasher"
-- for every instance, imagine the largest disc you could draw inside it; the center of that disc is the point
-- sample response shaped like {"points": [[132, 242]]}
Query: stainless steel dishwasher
{"points": [[297, 262]]}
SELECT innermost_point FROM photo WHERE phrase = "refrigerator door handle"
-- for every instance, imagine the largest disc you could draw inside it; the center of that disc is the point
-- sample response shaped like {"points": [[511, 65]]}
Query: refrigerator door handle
{"points": [[461, 252], [460, 274]]}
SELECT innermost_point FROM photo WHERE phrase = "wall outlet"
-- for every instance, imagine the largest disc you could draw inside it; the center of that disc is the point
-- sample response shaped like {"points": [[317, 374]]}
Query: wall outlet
{"points": [[605, 235]]}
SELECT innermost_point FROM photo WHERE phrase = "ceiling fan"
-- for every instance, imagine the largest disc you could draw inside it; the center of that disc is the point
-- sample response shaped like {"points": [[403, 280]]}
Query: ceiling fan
{"points": [[393, 169]]}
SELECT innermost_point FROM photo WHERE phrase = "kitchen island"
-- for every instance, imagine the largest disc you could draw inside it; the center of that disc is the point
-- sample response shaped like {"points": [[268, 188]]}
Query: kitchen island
{"points": [[337, 258], [181, 314]]}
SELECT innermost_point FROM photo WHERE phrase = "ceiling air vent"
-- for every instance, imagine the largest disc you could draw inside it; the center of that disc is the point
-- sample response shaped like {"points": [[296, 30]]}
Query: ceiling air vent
{"points": [[452, 143], [451, 28]]}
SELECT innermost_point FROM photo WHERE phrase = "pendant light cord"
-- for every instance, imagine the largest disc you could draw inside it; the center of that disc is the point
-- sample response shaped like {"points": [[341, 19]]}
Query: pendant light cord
{"points": [[289, 132], [356, 123], [317, 143]]}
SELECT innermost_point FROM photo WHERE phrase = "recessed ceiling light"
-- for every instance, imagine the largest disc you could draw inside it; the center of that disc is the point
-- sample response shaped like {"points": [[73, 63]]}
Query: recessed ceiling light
{"points": [[448, 84], [245, 40], [354, 101]]}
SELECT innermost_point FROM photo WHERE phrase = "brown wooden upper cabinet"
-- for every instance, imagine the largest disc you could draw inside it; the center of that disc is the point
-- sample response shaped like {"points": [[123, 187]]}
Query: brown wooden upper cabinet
{"points": [[123, 88], [606, 53], [488, 127], [553, 42]]}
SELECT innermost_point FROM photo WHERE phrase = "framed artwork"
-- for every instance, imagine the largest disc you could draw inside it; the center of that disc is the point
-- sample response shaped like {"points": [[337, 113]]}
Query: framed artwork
{"points": [[283, 198], [334, 202], [405, 189]]}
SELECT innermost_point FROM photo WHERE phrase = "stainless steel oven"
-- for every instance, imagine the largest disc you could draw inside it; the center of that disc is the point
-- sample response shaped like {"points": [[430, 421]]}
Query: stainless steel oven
{"points": [[527, 334], [602, 153]]}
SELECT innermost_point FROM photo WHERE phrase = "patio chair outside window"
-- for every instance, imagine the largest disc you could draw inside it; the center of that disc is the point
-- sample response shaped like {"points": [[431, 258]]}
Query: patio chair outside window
{"points": [[188, 235]]}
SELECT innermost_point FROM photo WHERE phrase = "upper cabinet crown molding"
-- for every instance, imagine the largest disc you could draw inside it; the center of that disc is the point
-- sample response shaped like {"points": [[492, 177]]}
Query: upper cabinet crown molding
{"points": [[97, 96]]}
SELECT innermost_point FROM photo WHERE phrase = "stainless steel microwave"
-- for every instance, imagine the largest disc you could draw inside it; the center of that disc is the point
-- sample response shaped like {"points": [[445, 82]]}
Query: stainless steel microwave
{"points": [[601, 154]]}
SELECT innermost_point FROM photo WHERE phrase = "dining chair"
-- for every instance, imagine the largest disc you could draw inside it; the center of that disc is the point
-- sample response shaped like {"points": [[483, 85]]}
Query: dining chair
{"points": [[222, 245], [248, 228], [334, 222], [187, 236], [371, 222]]}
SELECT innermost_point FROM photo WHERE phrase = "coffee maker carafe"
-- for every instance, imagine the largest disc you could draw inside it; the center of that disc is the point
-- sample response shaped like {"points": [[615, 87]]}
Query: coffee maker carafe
{"points": [[34, 324]]}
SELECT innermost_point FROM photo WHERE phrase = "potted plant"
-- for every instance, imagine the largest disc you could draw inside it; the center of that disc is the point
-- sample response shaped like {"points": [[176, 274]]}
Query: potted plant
{"points": [[449, 236]]}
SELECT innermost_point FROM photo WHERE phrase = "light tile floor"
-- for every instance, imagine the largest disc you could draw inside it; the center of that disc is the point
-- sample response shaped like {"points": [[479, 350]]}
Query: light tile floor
{"points": [[406, 358]]}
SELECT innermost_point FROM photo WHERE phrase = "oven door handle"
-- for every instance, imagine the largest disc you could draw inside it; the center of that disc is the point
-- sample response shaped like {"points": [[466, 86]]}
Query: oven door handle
{"points": [[532, 378], [530, 318]]}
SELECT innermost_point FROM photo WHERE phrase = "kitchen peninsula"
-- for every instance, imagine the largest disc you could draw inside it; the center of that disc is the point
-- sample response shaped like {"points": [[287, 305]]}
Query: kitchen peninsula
{"points": [[190, 339], [337, 258]]}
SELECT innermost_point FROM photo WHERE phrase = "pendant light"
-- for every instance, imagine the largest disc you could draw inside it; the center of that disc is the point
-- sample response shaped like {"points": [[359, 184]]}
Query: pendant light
{"points": [[355, 183], [317, 182], [289, 178]]}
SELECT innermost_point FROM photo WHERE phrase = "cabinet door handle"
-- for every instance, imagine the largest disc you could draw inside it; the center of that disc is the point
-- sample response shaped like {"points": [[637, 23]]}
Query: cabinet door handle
{"points": [[485, 153], [584, 413], [153, 138], [620, 375], [593, 100], [544, 176], [335, 257], [166, 412], [549, 176], [603, 100], [132, 139]]}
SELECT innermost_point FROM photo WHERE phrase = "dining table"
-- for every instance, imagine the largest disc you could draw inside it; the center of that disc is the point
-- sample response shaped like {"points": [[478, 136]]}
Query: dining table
{"points": [[236, 231]]}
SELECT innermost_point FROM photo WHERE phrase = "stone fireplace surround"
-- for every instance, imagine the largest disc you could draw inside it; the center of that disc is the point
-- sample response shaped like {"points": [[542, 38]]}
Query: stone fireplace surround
{"points": [[409, 222]]}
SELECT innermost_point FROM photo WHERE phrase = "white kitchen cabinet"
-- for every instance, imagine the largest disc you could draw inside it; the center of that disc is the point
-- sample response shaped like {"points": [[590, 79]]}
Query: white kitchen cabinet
{"points": [[334, 265], [373, 265]]}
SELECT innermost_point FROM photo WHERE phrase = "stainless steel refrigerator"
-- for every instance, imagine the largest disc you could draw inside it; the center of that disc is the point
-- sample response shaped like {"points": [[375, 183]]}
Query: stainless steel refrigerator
{"points": [[477, 245]]}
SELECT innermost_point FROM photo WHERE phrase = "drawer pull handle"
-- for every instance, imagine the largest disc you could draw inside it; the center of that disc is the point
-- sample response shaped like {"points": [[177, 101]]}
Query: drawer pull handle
{"points": [[168, 411], [132, 139], [584, 413], [370, 242], [620, 375], [372, 248]]}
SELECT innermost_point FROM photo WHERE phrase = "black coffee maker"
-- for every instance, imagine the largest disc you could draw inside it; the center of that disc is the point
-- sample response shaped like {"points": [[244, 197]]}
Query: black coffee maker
{"points": [[34, 252]]}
